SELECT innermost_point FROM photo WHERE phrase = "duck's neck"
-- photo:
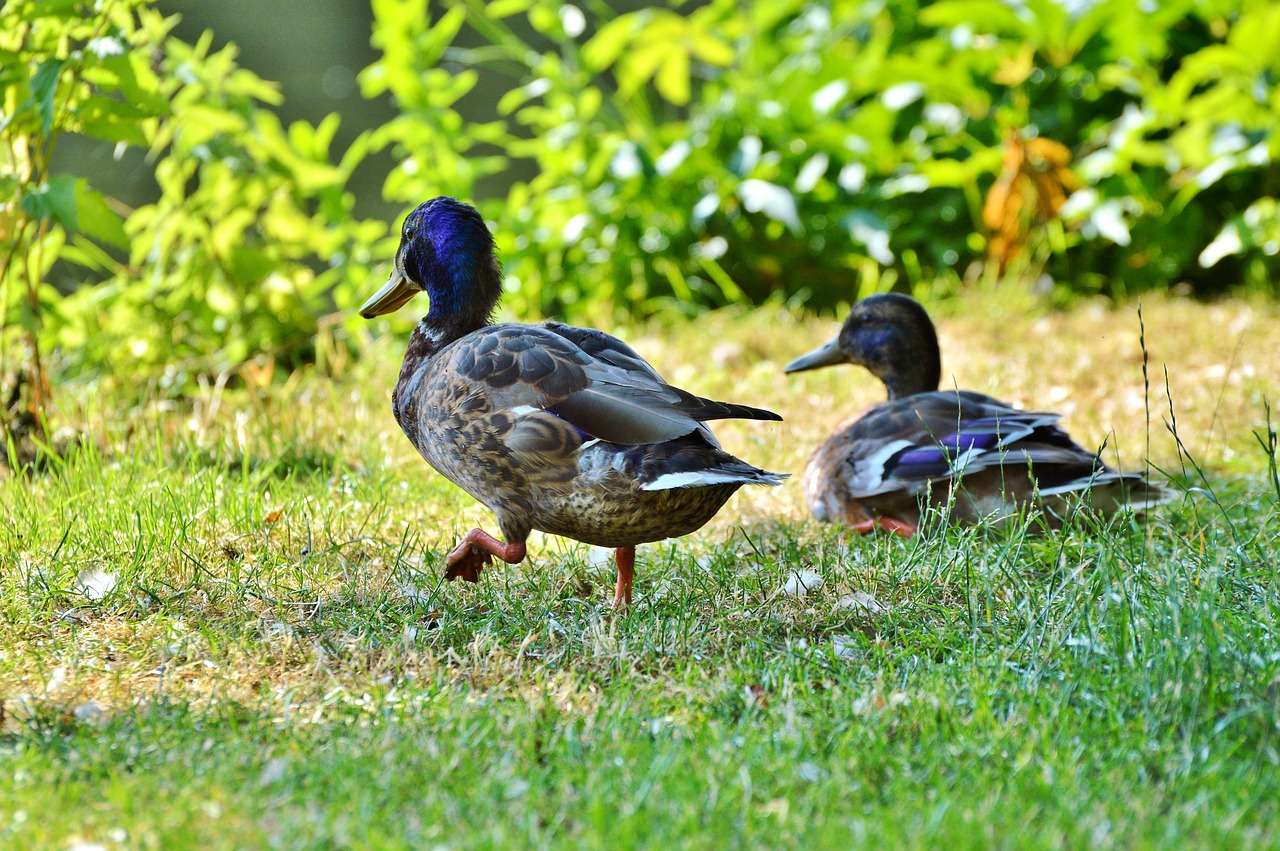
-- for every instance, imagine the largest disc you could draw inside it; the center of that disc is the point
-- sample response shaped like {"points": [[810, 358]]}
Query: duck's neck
{"points": [[433, 334], [902, 390], [917, 370], [463, 290], [424, 344], [426, 341]]}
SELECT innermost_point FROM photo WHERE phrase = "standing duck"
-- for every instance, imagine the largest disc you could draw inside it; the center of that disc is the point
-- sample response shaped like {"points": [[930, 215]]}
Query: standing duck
{"points": [[982, 459], [561, 429]]}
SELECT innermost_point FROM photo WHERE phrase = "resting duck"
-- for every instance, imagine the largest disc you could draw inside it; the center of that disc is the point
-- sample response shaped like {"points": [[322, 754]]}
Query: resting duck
{"points": [[984, 459], [561, 429]]}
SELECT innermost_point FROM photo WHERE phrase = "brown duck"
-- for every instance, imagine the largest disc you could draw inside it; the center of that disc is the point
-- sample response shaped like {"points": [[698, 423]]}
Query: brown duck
{"points": [[975, 456], [561, 429]]}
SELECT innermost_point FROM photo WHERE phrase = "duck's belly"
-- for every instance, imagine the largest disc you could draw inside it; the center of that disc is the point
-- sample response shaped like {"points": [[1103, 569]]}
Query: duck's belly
{"points": [[602, 508], [597, 517]]}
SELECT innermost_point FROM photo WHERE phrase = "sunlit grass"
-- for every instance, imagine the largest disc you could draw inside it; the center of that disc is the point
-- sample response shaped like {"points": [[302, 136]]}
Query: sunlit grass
{"points": [[224, 625]]}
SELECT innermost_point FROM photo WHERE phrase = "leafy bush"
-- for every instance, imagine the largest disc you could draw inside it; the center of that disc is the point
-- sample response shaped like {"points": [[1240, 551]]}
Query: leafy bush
{"points": [[252, 233], [60, 72], [684, 157], [737, 151]]}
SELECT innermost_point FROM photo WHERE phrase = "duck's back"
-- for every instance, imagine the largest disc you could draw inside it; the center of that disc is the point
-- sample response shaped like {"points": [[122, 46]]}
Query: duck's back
{"points": [[979, 456]]}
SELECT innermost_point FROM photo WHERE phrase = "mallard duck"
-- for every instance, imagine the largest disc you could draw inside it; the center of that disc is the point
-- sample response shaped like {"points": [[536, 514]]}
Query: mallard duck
{"points": [[561, 429], [982, 459]]}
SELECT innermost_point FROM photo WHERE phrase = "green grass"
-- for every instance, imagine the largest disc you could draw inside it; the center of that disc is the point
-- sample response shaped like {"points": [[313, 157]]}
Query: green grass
{"points": [[224, 626]]}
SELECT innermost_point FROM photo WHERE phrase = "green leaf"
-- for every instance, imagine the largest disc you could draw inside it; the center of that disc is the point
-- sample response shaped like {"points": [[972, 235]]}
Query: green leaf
{"points": [[111, 120], [53, 201], [1256, 36], [638, 66], [431, 46], [712, 50], [1091, 22], [499, 9], [983, 15], [44, 85], [96, 219], [673, 77], [545, 20], [947, 172], [59, 8], [607, 44], [457, 87], [520, 96], [139, 83], [87, 253]]}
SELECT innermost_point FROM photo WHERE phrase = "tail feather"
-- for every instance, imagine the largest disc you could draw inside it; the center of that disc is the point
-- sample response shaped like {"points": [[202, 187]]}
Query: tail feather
{"points": [[732, 471], [702, 409], [1112, 491]]}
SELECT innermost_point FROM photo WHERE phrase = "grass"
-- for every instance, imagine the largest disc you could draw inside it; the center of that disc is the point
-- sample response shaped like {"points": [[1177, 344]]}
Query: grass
{"points": [[224, 626]]}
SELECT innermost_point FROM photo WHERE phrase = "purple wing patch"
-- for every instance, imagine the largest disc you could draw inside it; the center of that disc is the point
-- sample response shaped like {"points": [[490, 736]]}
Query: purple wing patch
{"points": [[936, 460]]}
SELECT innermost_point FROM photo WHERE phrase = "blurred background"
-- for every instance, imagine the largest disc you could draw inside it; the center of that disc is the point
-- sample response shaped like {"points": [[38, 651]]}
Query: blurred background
{"points": [[189, 187]]}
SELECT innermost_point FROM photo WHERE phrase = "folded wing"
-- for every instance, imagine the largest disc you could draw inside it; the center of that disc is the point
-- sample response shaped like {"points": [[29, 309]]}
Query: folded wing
{"points": [[591, 380]]}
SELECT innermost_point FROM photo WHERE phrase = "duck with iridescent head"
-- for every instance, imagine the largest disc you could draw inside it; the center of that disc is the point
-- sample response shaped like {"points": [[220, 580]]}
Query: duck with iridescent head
{"points": [[556, 428], [971, 455]]}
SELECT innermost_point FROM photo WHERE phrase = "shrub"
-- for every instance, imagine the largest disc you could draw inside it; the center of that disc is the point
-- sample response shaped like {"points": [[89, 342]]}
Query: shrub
{"points": [[250, 240], [737, 151], [664, 158]]}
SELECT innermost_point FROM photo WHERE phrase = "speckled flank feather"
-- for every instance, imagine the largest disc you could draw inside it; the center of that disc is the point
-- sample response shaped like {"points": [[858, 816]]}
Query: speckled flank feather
{"points": [[556, 428], [983, 460]]}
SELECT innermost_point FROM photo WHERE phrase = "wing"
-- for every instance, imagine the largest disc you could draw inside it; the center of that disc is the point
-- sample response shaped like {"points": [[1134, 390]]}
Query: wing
{"points": [[905, 444], [586, 378], [618, 371]]}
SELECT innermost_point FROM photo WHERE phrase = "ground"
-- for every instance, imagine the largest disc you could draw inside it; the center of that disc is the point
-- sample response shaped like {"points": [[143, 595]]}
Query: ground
{"points": [[224, 623]]}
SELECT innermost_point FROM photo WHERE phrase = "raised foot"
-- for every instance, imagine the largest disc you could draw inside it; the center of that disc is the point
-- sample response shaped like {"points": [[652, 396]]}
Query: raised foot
{"points": [[466, 562], [898, 527], [476, 551]]}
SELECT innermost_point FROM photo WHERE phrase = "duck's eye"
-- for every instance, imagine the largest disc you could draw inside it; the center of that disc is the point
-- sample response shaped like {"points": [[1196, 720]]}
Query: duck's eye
{"points": [[409, 231]]}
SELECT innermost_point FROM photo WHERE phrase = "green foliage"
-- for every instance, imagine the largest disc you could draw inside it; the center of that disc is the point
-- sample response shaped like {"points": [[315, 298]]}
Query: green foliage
{"points": [[253, 229], [664, 157], [736, 151], [230, 249], [62, 72]]}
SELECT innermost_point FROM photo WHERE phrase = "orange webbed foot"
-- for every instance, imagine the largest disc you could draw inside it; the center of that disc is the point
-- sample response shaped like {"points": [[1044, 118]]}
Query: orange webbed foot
{"points": [[892, 525], [476, 551], [901, 528]]}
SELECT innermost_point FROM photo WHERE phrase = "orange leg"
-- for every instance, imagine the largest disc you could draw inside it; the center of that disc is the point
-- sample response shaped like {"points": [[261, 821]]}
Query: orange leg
{"points": [[864, 527], [898, 527], [476, 550], [885, 524], [625, 558]]}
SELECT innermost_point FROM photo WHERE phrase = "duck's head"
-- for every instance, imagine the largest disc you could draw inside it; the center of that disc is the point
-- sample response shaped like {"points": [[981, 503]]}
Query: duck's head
{"points": [[447, 252], [889, 334]]}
